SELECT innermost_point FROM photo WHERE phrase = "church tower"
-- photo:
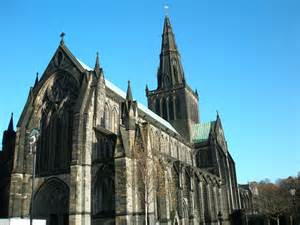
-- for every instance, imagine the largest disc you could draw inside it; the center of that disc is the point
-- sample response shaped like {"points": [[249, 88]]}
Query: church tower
{"points": [[173, 99]]}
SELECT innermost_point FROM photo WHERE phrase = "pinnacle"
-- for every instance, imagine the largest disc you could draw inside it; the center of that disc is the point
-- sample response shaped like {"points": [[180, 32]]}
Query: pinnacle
{"points": [[36, 80], [11, 123], [97, 64], [129, 93]]}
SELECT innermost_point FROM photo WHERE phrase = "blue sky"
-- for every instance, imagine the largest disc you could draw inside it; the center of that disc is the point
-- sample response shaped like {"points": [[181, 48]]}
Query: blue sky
{"points": [[242, 56]]}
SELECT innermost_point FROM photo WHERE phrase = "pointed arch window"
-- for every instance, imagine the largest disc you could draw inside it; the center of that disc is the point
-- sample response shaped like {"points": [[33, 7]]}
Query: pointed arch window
{"points": [[164, 109], [55, 144], [115, 120], [107, 119], [171, 108]]}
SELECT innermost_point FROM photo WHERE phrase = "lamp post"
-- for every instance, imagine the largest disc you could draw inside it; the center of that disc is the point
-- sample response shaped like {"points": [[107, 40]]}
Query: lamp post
{"points": [[33, 137], [220, 218], [293, 193]]}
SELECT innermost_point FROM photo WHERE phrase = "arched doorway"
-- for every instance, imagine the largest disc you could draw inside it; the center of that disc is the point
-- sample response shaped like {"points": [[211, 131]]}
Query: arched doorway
{"points": [[51, 202]]}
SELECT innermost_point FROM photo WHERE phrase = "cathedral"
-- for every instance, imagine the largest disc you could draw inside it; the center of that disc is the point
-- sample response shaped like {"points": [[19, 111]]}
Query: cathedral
{"points": [[87, 153]]}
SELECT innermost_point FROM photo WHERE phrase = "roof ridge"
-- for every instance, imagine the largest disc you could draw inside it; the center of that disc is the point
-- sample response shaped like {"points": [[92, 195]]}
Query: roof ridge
{"points": [[142, 107]]}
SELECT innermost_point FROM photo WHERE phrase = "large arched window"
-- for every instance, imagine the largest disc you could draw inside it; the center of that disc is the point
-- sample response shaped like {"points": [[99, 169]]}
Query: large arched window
{"points": [[55, 143]]}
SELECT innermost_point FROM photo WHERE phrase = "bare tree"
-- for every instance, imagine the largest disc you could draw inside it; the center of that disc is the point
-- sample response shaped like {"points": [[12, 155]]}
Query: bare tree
{"points": [[152, 181], [271, 201], [292, 185]]}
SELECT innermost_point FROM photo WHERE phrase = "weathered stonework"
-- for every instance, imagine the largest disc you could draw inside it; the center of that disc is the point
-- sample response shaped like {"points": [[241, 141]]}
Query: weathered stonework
{"points": [[90, 133]]}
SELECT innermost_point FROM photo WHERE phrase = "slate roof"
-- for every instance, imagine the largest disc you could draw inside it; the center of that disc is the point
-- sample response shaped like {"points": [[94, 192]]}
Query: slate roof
{"points": [[143, 108], [201, 131]]}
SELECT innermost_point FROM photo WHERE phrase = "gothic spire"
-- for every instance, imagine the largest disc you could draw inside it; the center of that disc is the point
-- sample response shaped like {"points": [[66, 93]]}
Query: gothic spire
{"points": [[173, 99], [129, 93], [11, 123], [170, 72]]}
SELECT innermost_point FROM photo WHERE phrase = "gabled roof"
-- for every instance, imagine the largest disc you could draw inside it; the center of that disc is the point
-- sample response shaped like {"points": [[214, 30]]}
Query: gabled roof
{"points": [[141, 107], [201, 131]]}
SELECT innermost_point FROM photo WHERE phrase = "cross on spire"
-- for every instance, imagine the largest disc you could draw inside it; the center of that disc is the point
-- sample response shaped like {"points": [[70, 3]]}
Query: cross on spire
{"points": [[166, 9], [62, 35]]}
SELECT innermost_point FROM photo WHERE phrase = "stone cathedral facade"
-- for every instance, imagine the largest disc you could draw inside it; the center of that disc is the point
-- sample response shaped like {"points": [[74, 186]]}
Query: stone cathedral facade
{"points": [[88, 129]]}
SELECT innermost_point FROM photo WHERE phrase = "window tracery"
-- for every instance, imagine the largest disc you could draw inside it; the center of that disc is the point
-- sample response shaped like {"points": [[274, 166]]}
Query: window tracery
{"points": [[55, 144]]}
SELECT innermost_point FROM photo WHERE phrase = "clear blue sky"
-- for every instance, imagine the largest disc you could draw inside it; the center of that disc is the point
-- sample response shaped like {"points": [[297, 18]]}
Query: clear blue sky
{"points": [[242, 56]]}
